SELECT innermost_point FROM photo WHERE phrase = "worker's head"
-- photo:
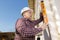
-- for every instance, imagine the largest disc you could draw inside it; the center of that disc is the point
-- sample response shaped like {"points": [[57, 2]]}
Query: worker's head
{"points": [[27, 12]]}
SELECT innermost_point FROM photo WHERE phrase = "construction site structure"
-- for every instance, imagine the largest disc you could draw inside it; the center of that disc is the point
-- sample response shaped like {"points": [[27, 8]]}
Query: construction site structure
{"points": [[53, 33]]}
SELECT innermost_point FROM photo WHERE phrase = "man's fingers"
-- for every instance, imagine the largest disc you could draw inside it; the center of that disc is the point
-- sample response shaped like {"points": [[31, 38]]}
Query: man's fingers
{"points": [[44, 26]]}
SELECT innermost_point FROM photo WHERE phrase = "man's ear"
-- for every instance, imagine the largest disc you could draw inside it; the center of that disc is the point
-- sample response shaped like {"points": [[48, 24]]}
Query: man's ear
{"points": [[23, 14]]}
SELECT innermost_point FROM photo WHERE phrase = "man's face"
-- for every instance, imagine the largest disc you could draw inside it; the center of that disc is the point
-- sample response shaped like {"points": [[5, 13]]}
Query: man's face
{"points": [[27, 14]]}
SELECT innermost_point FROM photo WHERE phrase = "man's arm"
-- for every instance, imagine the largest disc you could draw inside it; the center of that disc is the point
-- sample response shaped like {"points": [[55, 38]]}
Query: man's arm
{"points": [[38, 20], [40, 29], [19, 25], [37, 30], [35, 22]]}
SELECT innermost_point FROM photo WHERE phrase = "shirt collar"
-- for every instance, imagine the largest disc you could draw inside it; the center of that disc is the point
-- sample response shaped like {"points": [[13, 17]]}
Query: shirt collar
{"points": [[27, 19]]}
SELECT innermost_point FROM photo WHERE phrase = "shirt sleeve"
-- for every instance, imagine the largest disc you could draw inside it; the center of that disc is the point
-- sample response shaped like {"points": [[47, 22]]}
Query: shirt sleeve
{"points": [[35, 22], [37, 30], [19, 25]]}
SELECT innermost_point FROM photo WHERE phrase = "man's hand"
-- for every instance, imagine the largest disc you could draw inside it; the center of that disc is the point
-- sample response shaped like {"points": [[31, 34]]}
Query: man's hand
{"points": [[44, 26]]}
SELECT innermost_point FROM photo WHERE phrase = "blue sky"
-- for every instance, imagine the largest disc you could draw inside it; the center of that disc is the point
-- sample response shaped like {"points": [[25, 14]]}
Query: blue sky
{"points": [[9, 13]]}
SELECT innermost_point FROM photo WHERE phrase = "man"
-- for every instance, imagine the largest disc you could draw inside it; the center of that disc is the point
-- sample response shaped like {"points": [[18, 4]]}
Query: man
{"points": [[26, 25]]}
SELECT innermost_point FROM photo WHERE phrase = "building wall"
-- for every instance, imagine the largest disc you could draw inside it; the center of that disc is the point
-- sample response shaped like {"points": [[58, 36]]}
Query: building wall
{"points": [[53, 13]]}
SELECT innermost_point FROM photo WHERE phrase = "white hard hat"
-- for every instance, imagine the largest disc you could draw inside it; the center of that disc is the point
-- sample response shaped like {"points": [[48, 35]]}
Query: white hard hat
{"points": [[26, 9]]}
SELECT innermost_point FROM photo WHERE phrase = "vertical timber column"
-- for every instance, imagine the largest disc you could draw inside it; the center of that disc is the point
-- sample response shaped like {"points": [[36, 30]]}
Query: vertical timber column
{"points": [[31, 4], [46, 32]]}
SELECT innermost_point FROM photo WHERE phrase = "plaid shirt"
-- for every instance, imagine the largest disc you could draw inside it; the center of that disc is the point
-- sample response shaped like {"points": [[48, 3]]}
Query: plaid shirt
{"points": [[20, 25]]}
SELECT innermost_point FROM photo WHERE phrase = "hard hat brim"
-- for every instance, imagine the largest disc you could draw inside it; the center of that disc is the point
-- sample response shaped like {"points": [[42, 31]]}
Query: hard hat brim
{"points": [[27, 10]]}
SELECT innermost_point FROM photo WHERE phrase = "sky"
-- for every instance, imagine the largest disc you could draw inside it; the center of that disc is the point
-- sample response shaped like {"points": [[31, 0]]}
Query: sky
{"points": [[9, 13]]}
